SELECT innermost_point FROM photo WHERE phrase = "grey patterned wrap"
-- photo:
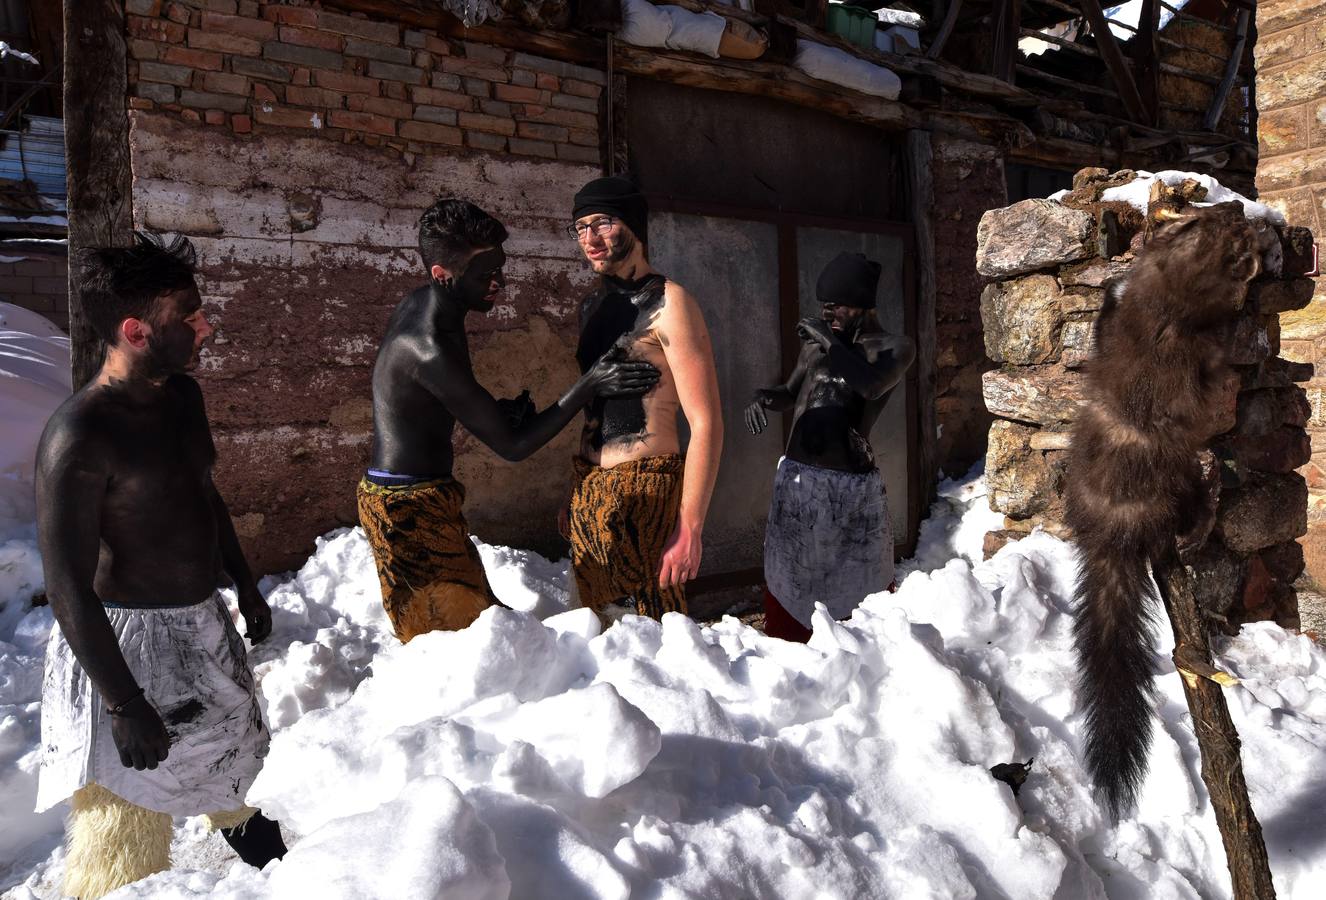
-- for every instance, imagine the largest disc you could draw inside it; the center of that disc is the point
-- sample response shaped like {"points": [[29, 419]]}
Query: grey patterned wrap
{"points": [[191, 664], [829, 539]]}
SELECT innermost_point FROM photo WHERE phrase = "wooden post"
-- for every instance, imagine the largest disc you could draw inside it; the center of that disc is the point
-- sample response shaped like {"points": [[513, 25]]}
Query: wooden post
{"points": [[1145, 63], [96, 141], [920, 163], [1007, 29], [1218, 741], [1231, 72]]}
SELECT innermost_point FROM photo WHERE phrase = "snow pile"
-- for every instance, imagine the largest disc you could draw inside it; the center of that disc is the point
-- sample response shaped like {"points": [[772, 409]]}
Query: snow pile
{"points": [[34, 380], [534, 759]]}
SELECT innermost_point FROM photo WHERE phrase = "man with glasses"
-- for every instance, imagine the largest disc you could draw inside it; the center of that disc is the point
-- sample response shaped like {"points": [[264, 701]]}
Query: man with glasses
{"points": [[829, 538], [423, 384], [638, 507]]}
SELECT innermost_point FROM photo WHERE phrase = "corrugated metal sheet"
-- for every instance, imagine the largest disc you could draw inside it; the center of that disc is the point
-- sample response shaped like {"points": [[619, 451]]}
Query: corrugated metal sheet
{"points": [[37, 155]]}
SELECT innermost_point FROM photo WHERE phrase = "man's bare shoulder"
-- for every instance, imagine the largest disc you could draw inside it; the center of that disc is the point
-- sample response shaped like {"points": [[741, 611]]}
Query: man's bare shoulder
{"points": [[899, 345], [80, 425]]}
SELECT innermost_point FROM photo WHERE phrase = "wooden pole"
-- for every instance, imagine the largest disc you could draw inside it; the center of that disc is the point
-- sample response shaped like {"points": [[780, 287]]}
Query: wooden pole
{"points": [[920, 164], [1007, 28], [96, 141], [1218, 741]]}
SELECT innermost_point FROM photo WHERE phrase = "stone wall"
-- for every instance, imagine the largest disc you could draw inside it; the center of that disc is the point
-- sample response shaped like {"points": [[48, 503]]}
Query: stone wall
{"points": [[1050, 262], [297, 147], [37, 281], [1291, 175]]}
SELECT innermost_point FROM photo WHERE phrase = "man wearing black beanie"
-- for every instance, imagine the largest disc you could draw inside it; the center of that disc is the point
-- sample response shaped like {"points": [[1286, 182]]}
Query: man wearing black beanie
{"points": [[829, 539], [638, 507]]}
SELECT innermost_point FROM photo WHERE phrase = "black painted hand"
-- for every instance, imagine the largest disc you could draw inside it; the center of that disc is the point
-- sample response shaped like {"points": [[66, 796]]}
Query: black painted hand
{"points": [[622, 377], [257, 616], [756, 418], [815, 331], [518, 409], [140, 735]]}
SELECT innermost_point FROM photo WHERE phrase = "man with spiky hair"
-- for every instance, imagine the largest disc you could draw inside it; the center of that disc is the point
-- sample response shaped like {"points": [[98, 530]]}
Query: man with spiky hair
{"points": [[423, 384], [149, 707]]}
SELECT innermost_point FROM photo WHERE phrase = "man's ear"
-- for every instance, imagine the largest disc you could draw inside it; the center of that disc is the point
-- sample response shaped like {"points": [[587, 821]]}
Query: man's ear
{"points": [[440, 274], [135, 333]]}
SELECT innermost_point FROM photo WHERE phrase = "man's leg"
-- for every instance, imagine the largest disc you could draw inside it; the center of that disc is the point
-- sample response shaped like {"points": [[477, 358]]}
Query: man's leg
{"points": [[256, 838], [651, 492], [111, 843]]}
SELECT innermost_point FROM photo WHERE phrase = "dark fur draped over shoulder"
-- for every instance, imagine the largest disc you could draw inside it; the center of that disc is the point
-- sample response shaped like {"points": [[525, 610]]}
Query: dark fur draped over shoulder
{"points": [[1153, 391]]}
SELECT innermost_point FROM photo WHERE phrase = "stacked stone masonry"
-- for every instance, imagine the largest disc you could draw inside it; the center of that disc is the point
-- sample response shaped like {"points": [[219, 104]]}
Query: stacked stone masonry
{"points": [[1050, 263], [1291, 176], [249, 67]]}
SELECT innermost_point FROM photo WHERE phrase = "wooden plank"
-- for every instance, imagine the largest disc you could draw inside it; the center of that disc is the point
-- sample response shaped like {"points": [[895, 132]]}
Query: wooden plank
{"points": [[1066, 83], [920, 163], [96, 140], [1114, 61], [1231, 72]]}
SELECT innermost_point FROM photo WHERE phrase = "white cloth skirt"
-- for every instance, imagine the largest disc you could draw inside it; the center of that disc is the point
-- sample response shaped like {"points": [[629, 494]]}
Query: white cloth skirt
{"points": [[829, 539], [191, 664]]}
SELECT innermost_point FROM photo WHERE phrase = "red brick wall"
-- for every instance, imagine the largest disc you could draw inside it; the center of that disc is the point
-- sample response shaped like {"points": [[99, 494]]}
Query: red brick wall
{"points": [[297, 147], [38, 282], [1291, 175]]}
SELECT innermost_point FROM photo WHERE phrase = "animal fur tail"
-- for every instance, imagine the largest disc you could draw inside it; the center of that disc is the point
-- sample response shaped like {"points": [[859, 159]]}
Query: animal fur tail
{"points": [[1115, 612]]}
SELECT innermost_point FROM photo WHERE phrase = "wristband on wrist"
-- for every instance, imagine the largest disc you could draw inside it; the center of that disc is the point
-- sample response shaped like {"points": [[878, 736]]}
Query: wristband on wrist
{"points": [[119, 708]]}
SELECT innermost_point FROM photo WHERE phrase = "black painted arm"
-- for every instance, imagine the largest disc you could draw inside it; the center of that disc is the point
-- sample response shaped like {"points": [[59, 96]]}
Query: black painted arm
{"points": [[885, 362]]}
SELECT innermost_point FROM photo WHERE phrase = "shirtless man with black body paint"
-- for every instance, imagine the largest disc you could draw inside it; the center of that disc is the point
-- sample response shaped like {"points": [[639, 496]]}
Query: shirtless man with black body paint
{"points": [[135, 539], [847, 370], [423, 384]]}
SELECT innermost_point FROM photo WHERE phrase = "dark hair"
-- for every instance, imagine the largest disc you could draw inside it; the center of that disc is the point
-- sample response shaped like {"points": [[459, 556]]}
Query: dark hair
{"points": [[118, 283], [452, 229]]}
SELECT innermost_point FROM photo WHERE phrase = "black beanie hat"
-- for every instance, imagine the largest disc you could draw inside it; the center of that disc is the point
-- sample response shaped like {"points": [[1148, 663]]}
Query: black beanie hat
{"points": [[850, 279], [615, 196]]}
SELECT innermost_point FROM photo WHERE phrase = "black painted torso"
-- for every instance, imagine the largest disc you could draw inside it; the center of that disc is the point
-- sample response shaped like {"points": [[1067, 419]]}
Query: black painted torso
{"points": [[612, 319]]}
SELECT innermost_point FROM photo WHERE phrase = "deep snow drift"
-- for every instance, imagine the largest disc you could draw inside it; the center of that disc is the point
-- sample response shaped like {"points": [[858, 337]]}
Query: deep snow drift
{"points": [[532, 759]]}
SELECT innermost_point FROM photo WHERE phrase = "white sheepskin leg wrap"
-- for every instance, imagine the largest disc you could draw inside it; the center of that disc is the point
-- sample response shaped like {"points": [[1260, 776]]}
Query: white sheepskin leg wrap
{"points": [[112, 843]]}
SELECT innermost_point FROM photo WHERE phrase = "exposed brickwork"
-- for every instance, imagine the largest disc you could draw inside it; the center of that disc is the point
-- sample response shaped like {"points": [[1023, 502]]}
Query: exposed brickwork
{"points": [[1291, 175], [40, 283], [255, 67]]}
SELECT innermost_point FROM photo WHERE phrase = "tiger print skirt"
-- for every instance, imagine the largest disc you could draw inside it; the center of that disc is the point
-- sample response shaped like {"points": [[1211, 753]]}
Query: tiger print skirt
{"points": [[621, 518], [431, 575]]}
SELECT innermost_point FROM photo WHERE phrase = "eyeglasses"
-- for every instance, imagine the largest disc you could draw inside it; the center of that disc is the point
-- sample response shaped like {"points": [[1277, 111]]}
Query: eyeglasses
{"points": [[600, 226]]}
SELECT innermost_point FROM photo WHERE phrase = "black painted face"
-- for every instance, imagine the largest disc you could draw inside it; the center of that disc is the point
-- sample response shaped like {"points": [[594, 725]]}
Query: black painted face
{"points": [[842, 319], [179, 329], [480, 284]]}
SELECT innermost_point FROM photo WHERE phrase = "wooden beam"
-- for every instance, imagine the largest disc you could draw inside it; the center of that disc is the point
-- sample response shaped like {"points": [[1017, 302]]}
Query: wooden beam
{"points": [[920, 164], [764, 80], [1231, 72], [550, 42], [1114, 61], [1007, 26], [96, 140]]}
